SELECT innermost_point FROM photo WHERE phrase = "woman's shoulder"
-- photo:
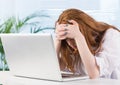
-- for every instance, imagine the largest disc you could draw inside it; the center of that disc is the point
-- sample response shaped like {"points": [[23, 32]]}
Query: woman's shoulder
{"points": [[112, 30], [112, 33]]}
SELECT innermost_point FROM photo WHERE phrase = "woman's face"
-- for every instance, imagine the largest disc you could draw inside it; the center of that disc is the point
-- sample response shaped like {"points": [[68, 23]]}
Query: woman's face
{"points": [[71, 43]]}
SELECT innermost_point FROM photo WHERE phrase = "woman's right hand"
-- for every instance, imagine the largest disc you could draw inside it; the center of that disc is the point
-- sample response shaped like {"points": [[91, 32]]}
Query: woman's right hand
{"points": [[60, 31]]}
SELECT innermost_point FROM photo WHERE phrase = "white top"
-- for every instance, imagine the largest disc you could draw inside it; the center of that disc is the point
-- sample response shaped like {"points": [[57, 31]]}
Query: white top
{"points": [[108, 59]]}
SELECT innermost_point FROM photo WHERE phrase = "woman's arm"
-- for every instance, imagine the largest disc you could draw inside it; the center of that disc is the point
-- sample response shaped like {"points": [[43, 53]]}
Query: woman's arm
{"points": [[59, 32], [87, 58], [60, 35], [57, 46]]}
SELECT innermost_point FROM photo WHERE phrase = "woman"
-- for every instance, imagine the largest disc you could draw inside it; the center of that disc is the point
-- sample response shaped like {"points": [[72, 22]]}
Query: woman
{"points": [[86, 46]]}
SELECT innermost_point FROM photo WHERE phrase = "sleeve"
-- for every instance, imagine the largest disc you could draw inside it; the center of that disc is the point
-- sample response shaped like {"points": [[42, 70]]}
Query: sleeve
{"points": [[109, 57]]}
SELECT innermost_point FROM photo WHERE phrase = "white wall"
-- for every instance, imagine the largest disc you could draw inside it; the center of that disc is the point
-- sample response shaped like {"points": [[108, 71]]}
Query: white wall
{"points": [[24, 7], [107, 10], [7, 8], [112, 7]]}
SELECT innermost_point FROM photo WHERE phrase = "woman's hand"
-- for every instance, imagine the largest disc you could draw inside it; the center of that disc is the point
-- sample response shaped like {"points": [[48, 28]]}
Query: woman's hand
{"points": [[61, 31], [64, 31], [73, 30]]}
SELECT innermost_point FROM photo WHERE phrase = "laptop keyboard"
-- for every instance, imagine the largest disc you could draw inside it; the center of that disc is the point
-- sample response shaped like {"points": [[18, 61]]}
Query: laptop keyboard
{"points": [[69, 75]]}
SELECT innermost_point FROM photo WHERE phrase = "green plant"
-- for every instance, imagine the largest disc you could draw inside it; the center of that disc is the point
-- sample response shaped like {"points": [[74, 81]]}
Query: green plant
{"points": [[36, 30], [7, 26]]}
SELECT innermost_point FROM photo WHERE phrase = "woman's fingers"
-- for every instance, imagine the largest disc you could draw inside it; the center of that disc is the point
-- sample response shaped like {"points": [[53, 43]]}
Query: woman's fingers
{"points": [[61, 31], [73, 22], [60, 28], [61, 35]]}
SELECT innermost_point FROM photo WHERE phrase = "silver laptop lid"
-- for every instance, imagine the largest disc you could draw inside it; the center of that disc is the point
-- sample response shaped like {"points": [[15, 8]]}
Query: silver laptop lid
{"points": [[31, 55]]}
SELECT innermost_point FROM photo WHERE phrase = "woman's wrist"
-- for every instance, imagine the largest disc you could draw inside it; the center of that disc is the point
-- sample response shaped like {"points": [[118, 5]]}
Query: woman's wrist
{"points": [[58, 41], [79, 36]]}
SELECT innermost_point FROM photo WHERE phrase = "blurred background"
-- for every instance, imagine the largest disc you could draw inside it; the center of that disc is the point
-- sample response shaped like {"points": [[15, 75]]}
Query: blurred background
{"points": [[39, 16]]}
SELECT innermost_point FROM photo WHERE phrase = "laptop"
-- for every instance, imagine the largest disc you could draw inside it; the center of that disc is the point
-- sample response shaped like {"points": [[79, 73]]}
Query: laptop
{"points": [[34, 56]]}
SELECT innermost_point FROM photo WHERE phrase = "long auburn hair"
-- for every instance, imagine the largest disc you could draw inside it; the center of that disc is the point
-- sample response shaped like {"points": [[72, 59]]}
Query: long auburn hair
{"points": [[92, 30]]}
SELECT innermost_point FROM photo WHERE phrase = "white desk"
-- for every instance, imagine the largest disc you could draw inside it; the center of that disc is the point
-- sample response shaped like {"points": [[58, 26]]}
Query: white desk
{"points": [[7, 79]]}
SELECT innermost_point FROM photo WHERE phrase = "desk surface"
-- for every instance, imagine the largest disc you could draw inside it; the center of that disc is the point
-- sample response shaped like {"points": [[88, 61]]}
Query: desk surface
{"points": [[7, 79]]}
